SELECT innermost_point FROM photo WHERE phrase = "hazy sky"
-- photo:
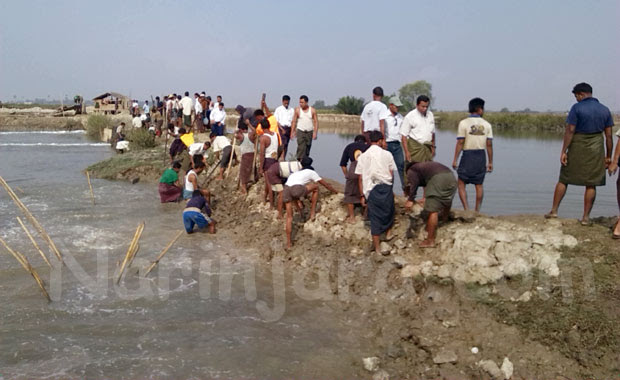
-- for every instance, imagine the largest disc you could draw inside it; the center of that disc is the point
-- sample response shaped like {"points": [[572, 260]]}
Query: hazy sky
{"points": [[514, 54]]}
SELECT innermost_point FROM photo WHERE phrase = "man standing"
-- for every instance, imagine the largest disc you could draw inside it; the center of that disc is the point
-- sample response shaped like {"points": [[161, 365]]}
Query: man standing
{"points": [[374, 114], [218, 120], [418, 132], [352, 194], [268, 155], [198, 113], [584, 156], [376, 169], [305, 124], [301, 184], [188, 109], [473, 137], [392, 135], [284, 116], [440, 185]]}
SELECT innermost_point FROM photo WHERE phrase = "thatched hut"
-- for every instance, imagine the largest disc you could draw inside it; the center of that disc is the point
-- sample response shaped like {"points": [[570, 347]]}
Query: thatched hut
{"points": [[112, 103]]}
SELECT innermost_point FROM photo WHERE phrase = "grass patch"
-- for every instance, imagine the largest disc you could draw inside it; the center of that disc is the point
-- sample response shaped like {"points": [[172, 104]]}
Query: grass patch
{"points": [[117, 167], [508, 120], [140, 139], [21, 106], [95, 125]]}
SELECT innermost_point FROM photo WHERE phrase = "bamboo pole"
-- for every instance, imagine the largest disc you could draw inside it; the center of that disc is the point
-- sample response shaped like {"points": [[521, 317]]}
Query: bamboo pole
{"points": [[31, 218], [26, 265], [33, 241], [130, 250], [20, 190], [154, 263], [90, 186]]}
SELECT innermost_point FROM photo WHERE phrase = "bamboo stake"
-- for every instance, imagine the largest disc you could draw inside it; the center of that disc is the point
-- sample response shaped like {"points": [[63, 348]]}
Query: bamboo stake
{"points": [[130, 250], [133, 254], [232, 154], [92, 195], [33, 241], [31, 218], [26, 265], [154, 263], [20, 190]]}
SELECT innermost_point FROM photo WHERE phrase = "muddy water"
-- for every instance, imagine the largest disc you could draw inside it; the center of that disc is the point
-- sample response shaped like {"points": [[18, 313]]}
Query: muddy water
{"points": [[526, 169], [206, 311]]}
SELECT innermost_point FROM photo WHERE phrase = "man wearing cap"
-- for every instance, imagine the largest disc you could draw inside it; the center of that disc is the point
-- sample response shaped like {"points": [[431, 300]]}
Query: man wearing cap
{"points": [[376, 169], [374, 114], [418, 132], [302, 184], [393, 123], [586, 150]]}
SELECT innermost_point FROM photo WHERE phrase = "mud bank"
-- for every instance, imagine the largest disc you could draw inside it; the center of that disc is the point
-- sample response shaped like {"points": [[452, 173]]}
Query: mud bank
{"points": [[500, 297]]}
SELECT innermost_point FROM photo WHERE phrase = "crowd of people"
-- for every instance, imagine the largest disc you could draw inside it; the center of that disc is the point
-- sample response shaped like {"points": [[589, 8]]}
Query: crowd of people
{"points": [[389, 146]]}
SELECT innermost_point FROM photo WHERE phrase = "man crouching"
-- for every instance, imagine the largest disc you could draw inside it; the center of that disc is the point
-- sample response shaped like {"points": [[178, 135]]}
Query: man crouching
{"points": [[197, 212], [440, 186], [300, 184]]}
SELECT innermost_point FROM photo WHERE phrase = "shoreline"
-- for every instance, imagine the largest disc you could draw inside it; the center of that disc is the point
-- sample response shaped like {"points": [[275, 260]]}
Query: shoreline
{"points": [[424, 306]]}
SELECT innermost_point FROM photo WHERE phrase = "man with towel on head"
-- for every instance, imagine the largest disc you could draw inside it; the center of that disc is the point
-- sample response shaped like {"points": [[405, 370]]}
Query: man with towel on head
{"points": [[376, 169], [440, 186], [586, 151], [302, 184], [474, 138], [352, 194]]}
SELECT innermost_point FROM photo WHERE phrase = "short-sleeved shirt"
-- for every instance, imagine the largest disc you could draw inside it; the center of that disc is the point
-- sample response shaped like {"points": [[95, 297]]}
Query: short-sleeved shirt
{"points": [[371, 115], [351, 152], [475, 131], [188, 104], [421, 173], [418, 127], [196, 148], [376, 166], [284, 115], [392, 127], [146, 108], [169, 176], [589, 116], [303, 177]]}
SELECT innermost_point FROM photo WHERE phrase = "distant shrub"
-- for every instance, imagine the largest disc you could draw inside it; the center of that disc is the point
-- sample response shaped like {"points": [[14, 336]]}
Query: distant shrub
{"points": [[508, 120], [350, 105], [96, 124], [72, 125], [140, 138]]}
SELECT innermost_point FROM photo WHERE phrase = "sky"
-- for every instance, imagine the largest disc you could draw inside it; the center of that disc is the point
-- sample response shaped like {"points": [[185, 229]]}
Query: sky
{"points": [[514, 54]]}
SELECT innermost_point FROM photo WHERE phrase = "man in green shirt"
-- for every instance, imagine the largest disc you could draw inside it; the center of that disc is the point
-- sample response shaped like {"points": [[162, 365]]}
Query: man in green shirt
{"points": [[169, 187]]}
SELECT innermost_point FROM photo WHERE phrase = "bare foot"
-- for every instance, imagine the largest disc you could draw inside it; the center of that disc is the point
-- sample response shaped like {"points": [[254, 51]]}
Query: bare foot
{"points": [[312, 216], [427, 244], [351, 220], [551, 215]]}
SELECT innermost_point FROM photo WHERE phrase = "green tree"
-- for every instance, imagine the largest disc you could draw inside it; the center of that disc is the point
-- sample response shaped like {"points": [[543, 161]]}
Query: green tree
{"points": [[319, 104], [350, 105], [410, 92], [505, 109]]}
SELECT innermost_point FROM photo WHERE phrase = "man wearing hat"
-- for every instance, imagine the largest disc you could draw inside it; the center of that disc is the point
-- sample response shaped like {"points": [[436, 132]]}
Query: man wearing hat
{"points": [[301, 184], [393, 137], [586, 151]]}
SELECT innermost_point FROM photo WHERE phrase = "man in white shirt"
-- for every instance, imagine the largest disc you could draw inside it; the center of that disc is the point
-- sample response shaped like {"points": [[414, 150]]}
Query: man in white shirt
{"points": [[218, 120], [418, 132], [188, 109], [392, 135], [198, 113], [136, 122], [299, 184], [284, 117], [376, 170], [374, 114], [221, 144]]}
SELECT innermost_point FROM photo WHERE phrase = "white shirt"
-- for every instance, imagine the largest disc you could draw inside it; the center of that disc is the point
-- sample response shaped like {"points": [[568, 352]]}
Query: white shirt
{"points": [[219, 143], [303, 177], [187, 104], [119, 129], [198, 106], [392, 127], [196, 148], [136, 122], [218, 116], [376, 166], [146, 108], [284, 115], [372, 113], [169, 104], [214, 105], [475, 131], [418, 127], [134, 104]]}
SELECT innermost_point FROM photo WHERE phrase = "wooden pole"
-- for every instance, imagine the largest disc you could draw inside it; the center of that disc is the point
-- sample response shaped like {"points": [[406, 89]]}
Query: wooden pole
{"points": [[90, 186], [130, 251], [26, 265], [232, 154], [204, 182], [167, 133], [254, 171], [36, 246], [31, 218], [154, 263]]}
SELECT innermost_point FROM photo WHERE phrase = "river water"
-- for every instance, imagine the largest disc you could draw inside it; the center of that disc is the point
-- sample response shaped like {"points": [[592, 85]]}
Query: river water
{"points": [[201, 313], [205, 313]]}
